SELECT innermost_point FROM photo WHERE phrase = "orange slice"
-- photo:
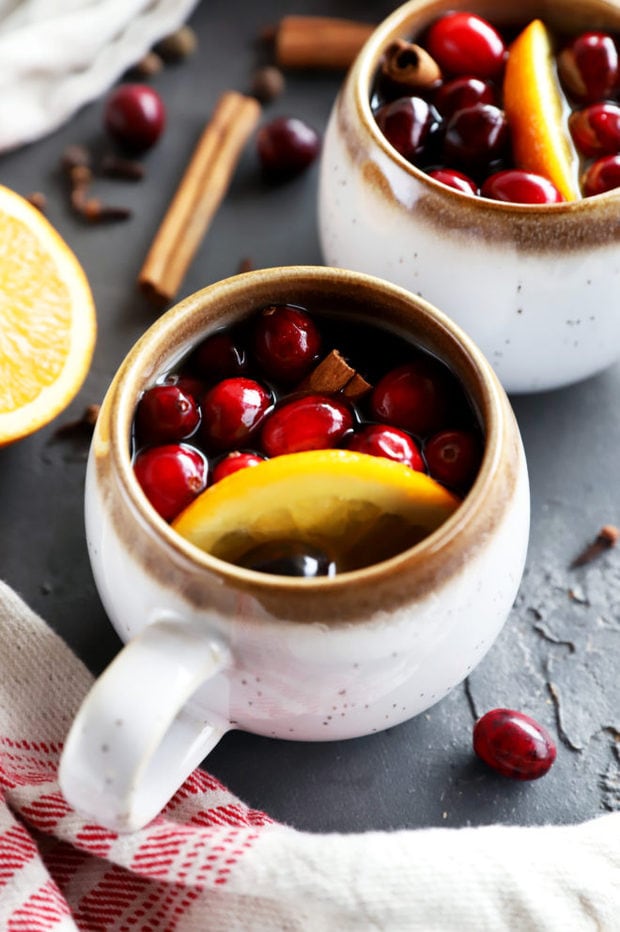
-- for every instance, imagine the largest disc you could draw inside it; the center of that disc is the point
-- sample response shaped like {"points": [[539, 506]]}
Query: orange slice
{"points": [[360, 508], [535, 110], [47, 320]]}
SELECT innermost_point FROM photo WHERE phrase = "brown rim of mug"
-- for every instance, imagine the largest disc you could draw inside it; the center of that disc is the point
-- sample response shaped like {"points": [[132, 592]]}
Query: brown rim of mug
{"points": [[162, 346], [400, 24]]}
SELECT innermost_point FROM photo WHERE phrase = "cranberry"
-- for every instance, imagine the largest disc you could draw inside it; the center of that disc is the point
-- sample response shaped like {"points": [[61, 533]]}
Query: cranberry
{"points": [[602, 175], [187, 384], [171, 476], [453, 457], [475, 136], [312, 422], [413, 397], [286, 146], [288, 558], [596, 130], [232, 411], [463, 43], [166, 413], [589, 68], [520, 187], [286, 342], [233, 462], [135, 116], [463, 92], [219, 357], [408, 124], [454, 179], [390, 442], [513, 744]]}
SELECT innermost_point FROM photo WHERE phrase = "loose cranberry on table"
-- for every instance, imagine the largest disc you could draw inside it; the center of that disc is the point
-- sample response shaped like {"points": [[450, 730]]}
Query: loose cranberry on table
{"points": [[135, 116], [232, 412], [287, 342], [466, 44], [390, 442], [453, 457], [171, 476], [408, 124], [454, 179], [589, 67], [596, 129], [514, 744], [475, 137], [219, 357], [286, 147], [414, 397], [519, 187], [311, 422], [233, 462], [166, 413]]}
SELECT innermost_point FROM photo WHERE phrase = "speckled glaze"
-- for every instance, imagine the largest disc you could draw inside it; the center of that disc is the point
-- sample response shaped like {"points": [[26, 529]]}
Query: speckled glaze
{"points": [[212, 646], [537, 287]]}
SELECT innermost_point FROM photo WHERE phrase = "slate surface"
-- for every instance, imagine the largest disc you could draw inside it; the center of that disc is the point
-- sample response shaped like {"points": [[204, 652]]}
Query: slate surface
{"points": [[557, 657]]}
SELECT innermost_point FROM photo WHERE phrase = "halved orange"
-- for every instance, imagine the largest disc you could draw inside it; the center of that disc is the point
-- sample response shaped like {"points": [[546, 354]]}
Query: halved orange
{"points": [[535, 109], [360, 508], [47, 320]]}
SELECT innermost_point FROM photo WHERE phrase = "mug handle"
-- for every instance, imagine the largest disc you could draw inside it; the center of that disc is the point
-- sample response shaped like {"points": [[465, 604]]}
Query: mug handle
{"points": [[134, 741]]}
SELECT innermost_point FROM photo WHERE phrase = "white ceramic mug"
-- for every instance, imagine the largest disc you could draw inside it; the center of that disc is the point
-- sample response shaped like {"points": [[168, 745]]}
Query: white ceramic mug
{"points": [[536, 286], [211, 646]]}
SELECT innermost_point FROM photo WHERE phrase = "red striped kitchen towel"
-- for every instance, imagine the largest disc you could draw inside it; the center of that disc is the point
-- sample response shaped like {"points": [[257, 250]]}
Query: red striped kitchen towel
{"points": [[209, 862]]}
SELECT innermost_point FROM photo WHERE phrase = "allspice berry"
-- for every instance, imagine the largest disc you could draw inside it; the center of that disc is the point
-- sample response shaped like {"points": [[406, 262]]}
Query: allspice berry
{"points": [[177, 45], [267, 83]]}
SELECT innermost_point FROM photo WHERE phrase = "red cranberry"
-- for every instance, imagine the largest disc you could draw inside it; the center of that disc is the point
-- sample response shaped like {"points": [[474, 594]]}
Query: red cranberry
{"points": [[288, 558], [286, 342], [596, 130], [475, 136], [601, 176], [219, 357], [514, 744], [286, 146], [413, 397], [463, 43], [232, 411], [187, 384], [312, 422], [166, 413], [453, 457], [454, 179], [589, 68], [407, 124], [171, 476], [520, 187], [233, 462], [463, 92], [135, 116], [390, 442]]}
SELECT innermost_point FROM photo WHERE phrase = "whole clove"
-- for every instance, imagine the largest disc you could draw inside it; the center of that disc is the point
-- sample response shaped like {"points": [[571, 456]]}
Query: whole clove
{"points": [[113, 166], [606, 538]]}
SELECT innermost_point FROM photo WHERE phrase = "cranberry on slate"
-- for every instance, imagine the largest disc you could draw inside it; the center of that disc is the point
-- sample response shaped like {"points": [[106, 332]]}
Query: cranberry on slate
{"points": [[233, 462], [413, 397], [219, 357], [513, 744], [135, 116], [519, 187], [463, 92], [390, 442], [463, 43], [232, 411], [454, 179], [596, 129], [286, 147], [601, 176], [171, 476], [166, 413], [311, 422], [589, 67], [408, 124], [475, 137], [286, 342], [453, 457]]}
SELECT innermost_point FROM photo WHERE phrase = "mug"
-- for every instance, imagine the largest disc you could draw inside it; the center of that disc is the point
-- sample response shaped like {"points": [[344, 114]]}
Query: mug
{"points": [[211, 646]]}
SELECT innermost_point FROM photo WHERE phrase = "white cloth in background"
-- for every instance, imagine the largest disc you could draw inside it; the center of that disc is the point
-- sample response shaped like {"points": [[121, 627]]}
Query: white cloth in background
{"points": [[56, 55]]}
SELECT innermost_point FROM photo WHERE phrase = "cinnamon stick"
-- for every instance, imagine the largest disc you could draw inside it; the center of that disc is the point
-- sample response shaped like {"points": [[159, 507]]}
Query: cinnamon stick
{"points": [[200, 193], [334, 374], [319, 41], [409, 66]]}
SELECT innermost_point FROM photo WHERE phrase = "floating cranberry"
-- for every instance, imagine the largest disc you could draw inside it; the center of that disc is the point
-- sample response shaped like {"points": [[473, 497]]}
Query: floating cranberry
{"points": [[589, 67], [286, 147], [513, 744], [601, 176], [232, 411], [390, 442], [288, 558], [166, 413], [453, 457], [311, 422], [187, 384], [463, 92], [414, 397], [135, 116], [233, 462], [286, 342], [171, 476], [519, 187], [408, 124], [466, 44], [475, 137], [219, 357], [596, 130], [454, 179]]}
